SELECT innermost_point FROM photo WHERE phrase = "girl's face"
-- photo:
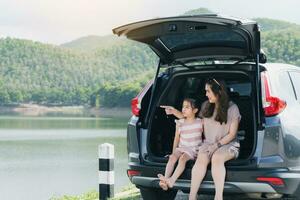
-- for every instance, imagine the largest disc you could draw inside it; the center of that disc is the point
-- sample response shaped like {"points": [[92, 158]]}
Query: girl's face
{"points": [[212, 98], [187, 109]]}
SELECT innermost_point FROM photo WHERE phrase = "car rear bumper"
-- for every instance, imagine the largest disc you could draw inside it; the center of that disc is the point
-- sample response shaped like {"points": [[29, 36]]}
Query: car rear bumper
{"points": [[208, 186], [237, 181]]}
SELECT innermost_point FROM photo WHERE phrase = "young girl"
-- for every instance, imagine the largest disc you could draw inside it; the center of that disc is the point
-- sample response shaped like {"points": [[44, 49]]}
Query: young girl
{"points": [[188, 138]]}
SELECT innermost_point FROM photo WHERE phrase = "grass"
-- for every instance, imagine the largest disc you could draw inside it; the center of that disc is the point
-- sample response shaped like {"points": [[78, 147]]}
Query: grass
{"points": [[127, 193]]}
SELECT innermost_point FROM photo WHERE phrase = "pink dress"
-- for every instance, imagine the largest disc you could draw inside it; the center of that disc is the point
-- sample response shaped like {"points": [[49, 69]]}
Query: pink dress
{"points": [[214, 131], [190, 137]]}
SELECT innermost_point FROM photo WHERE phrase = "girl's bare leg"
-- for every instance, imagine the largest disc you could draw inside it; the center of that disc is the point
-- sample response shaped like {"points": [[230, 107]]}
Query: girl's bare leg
{"points": [[218, 171], [198, 173], [170, 165], [179, 169], [169, 169]]}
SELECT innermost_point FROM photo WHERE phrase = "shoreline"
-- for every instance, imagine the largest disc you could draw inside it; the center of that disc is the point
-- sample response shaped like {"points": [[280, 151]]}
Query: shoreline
{"points": [[41, 110]]}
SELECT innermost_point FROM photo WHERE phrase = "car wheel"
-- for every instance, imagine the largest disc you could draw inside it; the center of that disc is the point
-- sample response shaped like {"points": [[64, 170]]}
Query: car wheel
{"points": [[154, 193]]}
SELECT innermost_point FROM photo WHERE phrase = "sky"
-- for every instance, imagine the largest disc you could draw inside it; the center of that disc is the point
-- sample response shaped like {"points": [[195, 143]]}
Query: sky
{"points": [[60, 21]]}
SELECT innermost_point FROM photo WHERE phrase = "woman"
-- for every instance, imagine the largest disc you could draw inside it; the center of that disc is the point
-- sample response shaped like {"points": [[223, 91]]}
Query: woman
{"points": [[221, 119]]}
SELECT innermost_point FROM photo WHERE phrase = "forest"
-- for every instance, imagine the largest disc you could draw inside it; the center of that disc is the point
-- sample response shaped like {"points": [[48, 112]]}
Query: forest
{"points": [[104, 70]]}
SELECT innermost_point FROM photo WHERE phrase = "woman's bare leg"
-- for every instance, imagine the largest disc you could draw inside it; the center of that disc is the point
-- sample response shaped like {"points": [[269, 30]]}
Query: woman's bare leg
{"points": [[179, 169], [219, 172], [198, 173]]}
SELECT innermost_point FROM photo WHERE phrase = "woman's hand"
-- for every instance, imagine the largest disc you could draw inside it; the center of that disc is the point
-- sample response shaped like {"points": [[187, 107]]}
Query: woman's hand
{"points": [[170, 110], [211, 149]]}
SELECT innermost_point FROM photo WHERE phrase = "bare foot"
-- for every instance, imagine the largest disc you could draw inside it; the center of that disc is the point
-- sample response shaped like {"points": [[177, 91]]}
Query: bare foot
{"points": [[170, 182], [163, 185], [161, 177], [162, 182]]}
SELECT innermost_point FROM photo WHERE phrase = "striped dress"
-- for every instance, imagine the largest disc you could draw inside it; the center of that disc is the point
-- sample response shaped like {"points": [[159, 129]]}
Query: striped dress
{"points": [[190, 137]]}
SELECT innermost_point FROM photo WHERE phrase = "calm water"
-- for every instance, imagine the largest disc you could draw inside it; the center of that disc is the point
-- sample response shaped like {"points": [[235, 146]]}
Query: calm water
{"points": [[44, 157]]}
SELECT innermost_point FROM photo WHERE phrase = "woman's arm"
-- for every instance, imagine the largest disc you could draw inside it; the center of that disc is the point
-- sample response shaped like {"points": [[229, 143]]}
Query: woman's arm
{"points": [[170, 110], [234, 118], [176, 140], [225, 140], [232, 132]]}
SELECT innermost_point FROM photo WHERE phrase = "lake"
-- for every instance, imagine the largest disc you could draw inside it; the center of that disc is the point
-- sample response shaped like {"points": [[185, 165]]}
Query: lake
{"points": [[50, 156]]}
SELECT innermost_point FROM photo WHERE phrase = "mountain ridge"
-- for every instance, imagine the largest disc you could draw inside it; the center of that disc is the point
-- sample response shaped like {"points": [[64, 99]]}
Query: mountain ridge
{"points": [[81, 71]]}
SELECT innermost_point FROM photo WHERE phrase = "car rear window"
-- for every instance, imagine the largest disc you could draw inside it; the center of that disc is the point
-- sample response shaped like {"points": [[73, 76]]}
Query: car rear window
{"points": [[182, 41], [235, 88], [284, 87], [241, 89]]}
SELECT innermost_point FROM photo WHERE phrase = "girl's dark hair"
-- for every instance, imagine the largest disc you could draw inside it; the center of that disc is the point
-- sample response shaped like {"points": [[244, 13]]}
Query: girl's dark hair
{"points": [[194, 103], [219, 89]]}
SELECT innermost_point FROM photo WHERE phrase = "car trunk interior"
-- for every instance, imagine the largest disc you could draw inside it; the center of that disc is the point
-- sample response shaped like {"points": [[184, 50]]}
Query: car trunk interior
{"points": [[240, 85]]}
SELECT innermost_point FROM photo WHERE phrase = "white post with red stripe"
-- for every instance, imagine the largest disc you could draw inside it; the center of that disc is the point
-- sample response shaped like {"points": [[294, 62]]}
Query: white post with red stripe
{"points": [[106, 171]]}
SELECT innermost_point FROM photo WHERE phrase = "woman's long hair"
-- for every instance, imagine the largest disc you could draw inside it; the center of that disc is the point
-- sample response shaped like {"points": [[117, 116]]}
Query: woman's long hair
{"points": [[219, 89]]}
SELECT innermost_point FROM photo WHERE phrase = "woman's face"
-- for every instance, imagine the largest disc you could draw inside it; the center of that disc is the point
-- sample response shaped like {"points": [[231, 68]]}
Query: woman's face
{"points": [[212, 98]]}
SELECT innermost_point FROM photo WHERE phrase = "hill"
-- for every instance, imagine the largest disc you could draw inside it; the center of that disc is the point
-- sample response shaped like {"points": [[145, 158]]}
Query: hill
{"points": [[93, 42], [47, 74], [96, 69], [267, 24], [199, 11]]}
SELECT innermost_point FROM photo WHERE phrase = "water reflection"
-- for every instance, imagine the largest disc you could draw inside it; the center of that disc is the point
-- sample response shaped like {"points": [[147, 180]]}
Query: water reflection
{"points": [[16, 122], [42, 157]]}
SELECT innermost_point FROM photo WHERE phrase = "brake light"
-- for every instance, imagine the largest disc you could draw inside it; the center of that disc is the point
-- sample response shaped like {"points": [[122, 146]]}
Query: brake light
{"points": [[275, 107], [272, 180], [135, 106], [136, 102], [272, 105], [131, 173]]}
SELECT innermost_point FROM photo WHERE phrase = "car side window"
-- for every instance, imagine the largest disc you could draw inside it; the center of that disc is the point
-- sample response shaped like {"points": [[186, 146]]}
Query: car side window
{"points": [[295, 76], [285, 87]]}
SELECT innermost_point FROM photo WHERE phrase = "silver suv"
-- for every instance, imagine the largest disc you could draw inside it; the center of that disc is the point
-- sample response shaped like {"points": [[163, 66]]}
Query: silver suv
{"points": [[190, 49]]}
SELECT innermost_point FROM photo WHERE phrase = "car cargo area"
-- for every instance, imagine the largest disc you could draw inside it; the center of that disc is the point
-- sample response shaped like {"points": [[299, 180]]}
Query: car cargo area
{"points": [[191, 83]]}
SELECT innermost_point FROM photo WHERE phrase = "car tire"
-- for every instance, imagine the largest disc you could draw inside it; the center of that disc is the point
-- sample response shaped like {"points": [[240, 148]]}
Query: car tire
{"points": [[154, 193]]}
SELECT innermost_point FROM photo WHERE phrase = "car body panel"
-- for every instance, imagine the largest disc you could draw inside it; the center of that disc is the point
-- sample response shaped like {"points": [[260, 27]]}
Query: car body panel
{"points": [[283, 130]]}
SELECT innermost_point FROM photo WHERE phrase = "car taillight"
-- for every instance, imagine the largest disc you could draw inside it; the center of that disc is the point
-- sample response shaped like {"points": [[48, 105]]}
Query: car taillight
{"points": [[136, 102], [272, 105], [275, 106], [135, 106], [132, 173], [273, 180]]}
